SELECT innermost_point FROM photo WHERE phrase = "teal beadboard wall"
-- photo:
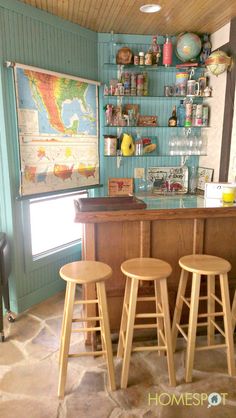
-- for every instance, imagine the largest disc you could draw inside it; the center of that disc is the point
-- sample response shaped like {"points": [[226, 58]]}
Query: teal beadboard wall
{"points": [[33, 37], [160, 106]]}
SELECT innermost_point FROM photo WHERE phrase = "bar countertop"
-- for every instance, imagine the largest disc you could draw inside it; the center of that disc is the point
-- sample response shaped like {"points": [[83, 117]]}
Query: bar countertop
{"points": [[163, 207]]}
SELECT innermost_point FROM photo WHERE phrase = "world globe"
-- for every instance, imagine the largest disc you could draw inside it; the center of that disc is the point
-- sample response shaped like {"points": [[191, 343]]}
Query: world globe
{"points": [[218, 62], [188, 46]]}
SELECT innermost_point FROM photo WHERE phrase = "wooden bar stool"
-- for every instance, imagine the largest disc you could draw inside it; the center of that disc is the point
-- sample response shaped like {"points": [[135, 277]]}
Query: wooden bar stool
{"points": [[84, 272], [136, 270], [210, 266]]}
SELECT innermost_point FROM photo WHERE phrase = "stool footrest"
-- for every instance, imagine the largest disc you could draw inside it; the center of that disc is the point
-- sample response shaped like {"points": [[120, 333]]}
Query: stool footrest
{"points": [[149, 315], [206, 315], [200, 298], [209, 347], [140, 326], [199, 324], [90, 318], [87, 329], [146, 298], [150, 348], [85, 302], [90, 353]]}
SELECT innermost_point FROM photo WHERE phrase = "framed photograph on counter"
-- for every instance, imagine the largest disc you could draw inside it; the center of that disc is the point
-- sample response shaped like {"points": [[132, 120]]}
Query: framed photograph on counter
{"points": [[204, 175], [120, 186]]}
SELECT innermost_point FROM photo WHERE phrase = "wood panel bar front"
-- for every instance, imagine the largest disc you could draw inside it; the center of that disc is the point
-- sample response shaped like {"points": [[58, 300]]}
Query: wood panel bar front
{"points": [[113, 237]]}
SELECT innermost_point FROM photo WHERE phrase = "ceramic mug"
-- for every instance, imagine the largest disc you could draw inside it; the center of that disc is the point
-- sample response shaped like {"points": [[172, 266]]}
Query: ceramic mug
{"points": [[181, 78], [193, 88], [168, 91], [228, 194]]}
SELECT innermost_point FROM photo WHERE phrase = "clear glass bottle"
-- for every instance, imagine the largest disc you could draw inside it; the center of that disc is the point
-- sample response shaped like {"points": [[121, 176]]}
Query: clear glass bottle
{"points": [[192, 180], [112, 49], [181, 114], [156, 51], [173, 119]]}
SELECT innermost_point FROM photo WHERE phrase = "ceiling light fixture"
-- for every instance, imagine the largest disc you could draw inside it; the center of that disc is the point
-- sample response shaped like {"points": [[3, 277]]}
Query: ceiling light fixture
{"points": [[150, 8]]}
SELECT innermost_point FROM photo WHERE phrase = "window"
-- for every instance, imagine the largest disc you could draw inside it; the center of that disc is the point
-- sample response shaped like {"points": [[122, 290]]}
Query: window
{"points": [[52, 222]]}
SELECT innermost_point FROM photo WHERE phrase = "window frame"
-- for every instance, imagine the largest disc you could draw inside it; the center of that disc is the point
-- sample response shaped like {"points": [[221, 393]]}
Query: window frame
{"points": [[69, 249]]}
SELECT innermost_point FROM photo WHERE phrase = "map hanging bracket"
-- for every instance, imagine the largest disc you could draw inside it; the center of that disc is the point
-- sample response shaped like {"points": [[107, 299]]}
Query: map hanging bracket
{"points": [[9, 64]]}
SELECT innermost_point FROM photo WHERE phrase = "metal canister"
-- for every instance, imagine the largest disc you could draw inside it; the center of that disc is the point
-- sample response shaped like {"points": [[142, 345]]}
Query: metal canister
{"points": [[140, 82], [199, 115], [136, 60], [148, 58], [110, 145], [188, 116], [141, 58], [205, 115], [194, 109], [145, 84], [127, 83], [133, 84]]}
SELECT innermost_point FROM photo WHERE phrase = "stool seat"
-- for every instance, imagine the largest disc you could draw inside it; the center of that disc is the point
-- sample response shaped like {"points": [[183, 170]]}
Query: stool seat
{"points": [[83, 272], [146, 268], [204, 264]]}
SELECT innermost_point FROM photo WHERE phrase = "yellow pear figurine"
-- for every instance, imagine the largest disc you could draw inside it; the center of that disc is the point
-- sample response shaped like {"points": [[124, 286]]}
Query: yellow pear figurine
{"points": [[127, 145]]}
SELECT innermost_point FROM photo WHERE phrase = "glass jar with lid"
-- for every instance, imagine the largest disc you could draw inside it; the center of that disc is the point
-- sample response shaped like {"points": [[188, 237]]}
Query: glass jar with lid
{"points": [[141, 58]]}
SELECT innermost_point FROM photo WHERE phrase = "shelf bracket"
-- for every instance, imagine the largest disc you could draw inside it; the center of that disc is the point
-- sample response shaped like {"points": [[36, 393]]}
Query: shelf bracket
{"points": [[118, 161], [184, 159]]}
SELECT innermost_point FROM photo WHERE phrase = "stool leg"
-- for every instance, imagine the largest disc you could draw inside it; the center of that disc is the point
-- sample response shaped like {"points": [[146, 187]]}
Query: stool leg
{"points": [[179, 306], [227, 323], [63, 324], [129, 333], [192, 329], [234, 312], [65, 342], [124, 317], [101, 321], [169, 349], [210, 309], [102, 300], [160, 325]]}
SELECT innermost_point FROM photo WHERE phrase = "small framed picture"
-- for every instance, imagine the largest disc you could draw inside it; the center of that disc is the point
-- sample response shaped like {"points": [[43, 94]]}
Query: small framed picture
{"points": [[134, 108], [120, 186], [146, 120], [205, 175]]}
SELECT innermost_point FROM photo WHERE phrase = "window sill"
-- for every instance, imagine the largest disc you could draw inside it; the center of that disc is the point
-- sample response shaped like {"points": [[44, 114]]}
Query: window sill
{"points": [[56, 254]]}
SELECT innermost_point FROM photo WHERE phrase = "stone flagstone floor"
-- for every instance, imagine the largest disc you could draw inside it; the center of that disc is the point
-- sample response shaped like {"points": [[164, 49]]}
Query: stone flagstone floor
{"points": [[29, 375]]}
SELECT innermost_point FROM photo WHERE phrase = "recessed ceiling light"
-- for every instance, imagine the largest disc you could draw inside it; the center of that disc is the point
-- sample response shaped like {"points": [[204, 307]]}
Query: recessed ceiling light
{"points": [[150, 8]]}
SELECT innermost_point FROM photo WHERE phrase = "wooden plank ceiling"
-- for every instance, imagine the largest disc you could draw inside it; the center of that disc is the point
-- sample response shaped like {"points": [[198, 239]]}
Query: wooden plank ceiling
{"points": [[124, 16]]}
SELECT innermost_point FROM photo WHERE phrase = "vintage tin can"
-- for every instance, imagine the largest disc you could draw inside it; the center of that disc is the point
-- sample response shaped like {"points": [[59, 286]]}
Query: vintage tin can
{"points": [[199, 115], [194, 109], [140, 82], [145, 84], [110, 145], [188, 117], [136, 60], [148, 58], [205, 115]]}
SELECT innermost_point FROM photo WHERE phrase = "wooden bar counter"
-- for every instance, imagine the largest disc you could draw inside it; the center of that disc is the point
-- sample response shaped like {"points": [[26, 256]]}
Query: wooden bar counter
{"points": [[169, 228]]}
